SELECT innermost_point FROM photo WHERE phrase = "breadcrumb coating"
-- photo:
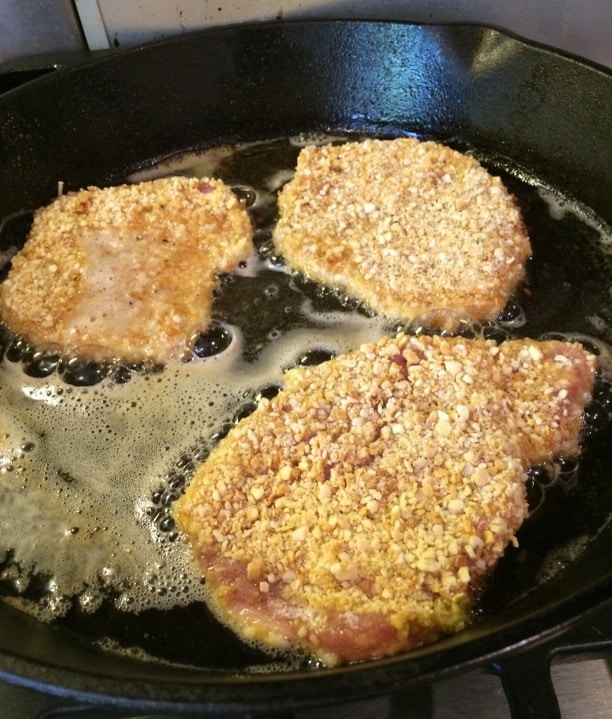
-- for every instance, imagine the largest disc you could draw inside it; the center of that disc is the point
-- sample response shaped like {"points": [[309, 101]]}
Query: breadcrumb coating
{"points": [[414, 229], [125, 271], [354, 513]]}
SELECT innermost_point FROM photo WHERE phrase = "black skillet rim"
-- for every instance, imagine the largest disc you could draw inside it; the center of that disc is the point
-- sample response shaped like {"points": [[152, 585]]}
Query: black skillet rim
{"points": [[383, 675]]}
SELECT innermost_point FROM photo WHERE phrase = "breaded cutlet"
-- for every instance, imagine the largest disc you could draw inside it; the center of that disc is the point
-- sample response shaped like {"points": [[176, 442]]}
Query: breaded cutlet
{"points": [[355, 513], [126, 272], [414, 229]]}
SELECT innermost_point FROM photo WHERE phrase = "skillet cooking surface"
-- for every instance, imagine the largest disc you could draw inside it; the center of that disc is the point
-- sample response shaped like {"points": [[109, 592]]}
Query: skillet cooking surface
{"points": [[470, 87]]}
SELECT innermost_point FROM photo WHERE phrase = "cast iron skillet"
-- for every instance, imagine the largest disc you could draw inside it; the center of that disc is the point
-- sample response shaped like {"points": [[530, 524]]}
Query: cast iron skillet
{"points": [[527, 108]]}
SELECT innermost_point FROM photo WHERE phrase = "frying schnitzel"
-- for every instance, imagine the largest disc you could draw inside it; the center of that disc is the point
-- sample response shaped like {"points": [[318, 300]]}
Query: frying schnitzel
{"points": [[416, 230], [354, 514], [125, 272]]}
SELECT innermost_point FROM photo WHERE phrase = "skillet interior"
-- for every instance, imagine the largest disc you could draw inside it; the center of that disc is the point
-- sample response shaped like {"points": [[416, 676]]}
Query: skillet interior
{"points": [[523, 107]]}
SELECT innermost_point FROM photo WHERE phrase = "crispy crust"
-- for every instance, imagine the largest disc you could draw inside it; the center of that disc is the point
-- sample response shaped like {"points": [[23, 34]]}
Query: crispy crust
{"points": [[414, 229], [125, 271], [382, 484]]}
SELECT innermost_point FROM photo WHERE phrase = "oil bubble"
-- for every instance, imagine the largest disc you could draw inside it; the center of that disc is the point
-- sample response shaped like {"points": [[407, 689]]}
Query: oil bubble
{"points": [[215, 340]]}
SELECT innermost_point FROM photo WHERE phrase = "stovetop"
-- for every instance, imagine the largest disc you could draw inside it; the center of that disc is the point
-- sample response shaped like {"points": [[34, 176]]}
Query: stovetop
{"points": [[582, 683], [579, 663]]}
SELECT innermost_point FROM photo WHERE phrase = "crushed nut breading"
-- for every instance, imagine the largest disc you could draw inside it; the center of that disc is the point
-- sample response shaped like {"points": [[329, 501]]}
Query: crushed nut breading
{"points": [[377, 524], [126, 271], [414, 229]]}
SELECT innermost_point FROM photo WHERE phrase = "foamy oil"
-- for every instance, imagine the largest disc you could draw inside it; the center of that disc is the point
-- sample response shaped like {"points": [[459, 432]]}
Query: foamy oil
{"points": [[92, 455]]}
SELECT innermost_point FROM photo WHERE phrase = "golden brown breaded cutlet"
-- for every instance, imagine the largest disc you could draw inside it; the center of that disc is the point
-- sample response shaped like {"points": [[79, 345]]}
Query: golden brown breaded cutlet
{"points": [[354, 514], [414, 229], [127, 271]]}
